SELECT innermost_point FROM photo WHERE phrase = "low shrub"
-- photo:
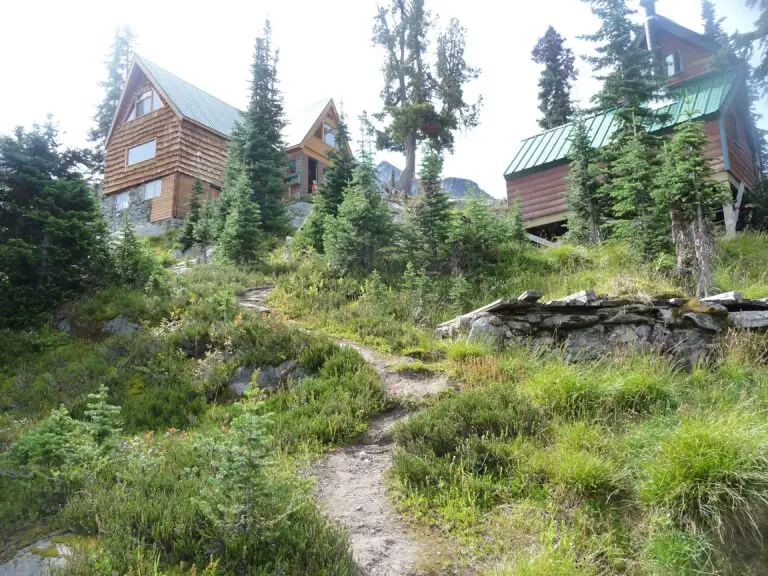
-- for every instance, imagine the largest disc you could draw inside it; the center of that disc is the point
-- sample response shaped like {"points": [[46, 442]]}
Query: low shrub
{"points": [[498, 411]]}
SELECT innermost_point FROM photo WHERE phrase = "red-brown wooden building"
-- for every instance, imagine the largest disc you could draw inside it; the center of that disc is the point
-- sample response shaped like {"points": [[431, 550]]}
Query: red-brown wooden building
{"points": [[536, 174], [167, 132]]}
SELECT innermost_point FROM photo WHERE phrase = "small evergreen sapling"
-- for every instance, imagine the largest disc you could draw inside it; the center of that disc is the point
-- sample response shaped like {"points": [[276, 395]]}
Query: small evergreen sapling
{"points": [[362, 227], [187, 239], [431, 214], [241, 239], [584, 197]]}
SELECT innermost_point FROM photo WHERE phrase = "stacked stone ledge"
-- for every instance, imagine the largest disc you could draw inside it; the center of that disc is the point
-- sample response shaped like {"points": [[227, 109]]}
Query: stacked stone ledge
{"points": [[587, 326]]}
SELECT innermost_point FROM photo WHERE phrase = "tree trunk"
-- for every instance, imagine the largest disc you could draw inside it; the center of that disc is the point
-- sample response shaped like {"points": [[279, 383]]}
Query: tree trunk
{"points": [[702, 243], [594, 223], [405, 182], [682, 242]]}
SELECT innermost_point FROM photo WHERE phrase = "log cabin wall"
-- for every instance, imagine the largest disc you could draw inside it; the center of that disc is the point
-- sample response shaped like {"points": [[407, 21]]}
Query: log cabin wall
{"points": [[184, 186], [741, 149], [695, 59], [162, 207], [541, 193], [163, 126], [203, 153]]}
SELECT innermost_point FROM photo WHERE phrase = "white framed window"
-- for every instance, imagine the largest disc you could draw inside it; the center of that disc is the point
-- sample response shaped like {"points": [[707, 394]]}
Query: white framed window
{"points": [[152, 189], [674, 64], [144, 103], [141, 152], [329, 135], [122, 200]]}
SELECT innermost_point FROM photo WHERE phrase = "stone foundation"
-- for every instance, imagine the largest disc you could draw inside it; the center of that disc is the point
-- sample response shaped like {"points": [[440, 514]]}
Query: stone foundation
{"points": [[138, 210], [586, 326]]}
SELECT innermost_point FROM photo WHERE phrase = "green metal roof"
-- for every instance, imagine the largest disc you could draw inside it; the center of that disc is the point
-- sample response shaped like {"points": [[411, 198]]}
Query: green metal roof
{"points": [[192, 102], [704, 96]]}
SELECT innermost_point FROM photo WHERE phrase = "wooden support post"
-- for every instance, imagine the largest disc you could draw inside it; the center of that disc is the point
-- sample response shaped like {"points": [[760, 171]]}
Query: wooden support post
{"points": [[731, 213]]}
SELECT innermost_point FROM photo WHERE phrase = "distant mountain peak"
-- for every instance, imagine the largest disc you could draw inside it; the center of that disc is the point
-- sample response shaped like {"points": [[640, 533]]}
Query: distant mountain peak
{"points": [[458, 188]]}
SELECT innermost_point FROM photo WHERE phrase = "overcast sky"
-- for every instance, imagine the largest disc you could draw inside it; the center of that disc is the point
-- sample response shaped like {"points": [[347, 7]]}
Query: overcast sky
{"points": [[52, 58]]}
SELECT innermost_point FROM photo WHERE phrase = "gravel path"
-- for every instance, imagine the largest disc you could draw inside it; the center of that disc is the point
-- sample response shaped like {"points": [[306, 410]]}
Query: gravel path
{"points": [[351, 480]]}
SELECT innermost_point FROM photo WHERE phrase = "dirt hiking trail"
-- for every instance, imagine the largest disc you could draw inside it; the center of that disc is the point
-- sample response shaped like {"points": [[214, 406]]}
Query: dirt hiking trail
{"points": [[351, 483]]}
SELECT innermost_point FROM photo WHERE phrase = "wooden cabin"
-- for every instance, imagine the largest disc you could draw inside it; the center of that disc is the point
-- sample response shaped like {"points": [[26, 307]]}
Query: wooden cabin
{"points": [[310, 137], [167, 132], [536, 174]]}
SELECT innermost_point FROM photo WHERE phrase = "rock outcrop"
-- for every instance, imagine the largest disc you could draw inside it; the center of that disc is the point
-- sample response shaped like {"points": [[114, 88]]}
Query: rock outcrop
{"points": [[587, 326]]}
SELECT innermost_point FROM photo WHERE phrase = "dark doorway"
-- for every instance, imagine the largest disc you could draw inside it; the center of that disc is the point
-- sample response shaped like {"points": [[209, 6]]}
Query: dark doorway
{"points": [[311, 175]]}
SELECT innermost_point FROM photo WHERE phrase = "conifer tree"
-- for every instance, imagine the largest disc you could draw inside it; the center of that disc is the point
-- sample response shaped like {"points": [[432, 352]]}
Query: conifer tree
{"points": [[241, 239], [331, 193], [713, 26], [555, 81], [631, 189], [628, 71], [363, 225], [686, 189], [53, 237], [584, 198], [205, 227], [758, 39], [422, 101], [516, 222], [431, 214], [187, 239], [118, 67], [263, 153]]}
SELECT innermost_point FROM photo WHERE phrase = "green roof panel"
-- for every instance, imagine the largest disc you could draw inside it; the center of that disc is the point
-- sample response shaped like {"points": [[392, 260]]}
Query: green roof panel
{"points": [[701, 96]]}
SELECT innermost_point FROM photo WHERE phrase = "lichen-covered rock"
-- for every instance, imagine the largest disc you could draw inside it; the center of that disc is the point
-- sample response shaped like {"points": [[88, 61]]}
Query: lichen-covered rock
{"points": [[119, 325], [484, 330]]}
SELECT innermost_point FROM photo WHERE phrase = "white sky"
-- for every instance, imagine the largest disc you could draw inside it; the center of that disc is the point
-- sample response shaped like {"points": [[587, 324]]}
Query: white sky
{"points": [[52, 54]]}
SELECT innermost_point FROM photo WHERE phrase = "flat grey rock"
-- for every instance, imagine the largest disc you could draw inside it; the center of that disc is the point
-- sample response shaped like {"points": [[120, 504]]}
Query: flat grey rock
{"points": [[704, 321], [751, 319], [28, 562], [529, 296], [733, 297], [119, 325]]}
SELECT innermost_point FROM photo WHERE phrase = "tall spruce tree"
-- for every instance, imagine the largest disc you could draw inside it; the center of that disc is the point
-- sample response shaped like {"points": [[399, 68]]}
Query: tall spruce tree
{"points": [[431, 214], [329, 197], [241, 239], [422, 101], [263, 152], [686, 190], [53, 238], [629, 73], [118, 66], [758, 39], [556, 78], [713, 26], [584, 199], [187, 239]]}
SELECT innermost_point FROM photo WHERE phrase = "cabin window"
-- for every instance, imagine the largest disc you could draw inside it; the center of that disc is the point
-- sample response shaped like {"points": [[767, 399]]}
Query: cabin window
{"points": [[329, 135], [292, 166], [144, 103], [122, 200], [734, 128], [141, 152], [152, 189], [674, 63]]}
